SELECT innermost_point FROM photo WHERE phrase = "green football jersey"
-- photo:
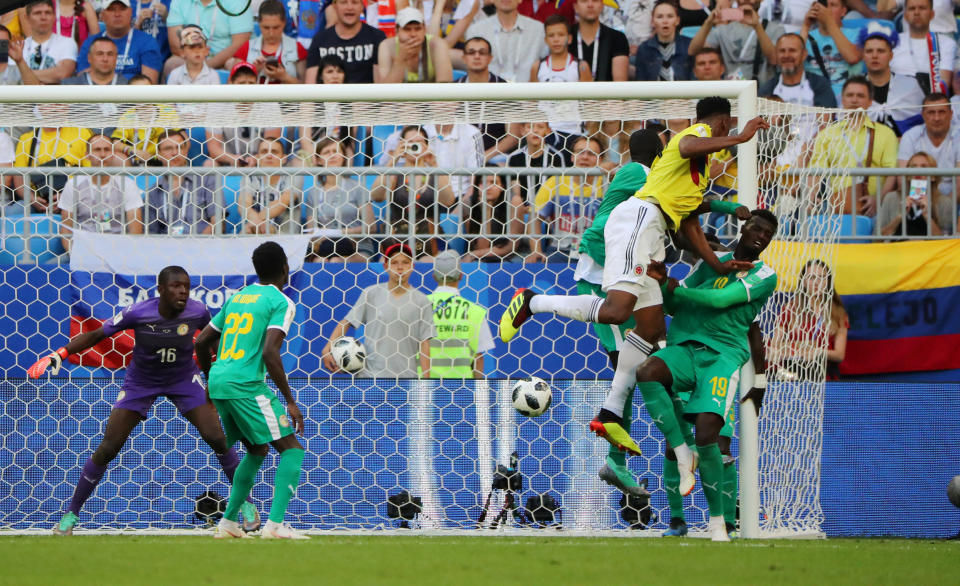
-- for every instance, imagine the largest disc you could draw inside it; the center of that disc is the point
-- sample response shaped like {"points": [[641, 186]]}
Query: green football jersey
{"points": [[243, 322], [627, 181], [723, 329]]}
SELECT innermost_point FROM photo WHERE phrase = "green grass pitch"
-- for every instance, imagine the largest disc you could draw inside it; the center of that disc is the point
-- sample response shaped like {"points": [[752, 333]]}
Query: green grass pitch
{"points": [[128, 559]]}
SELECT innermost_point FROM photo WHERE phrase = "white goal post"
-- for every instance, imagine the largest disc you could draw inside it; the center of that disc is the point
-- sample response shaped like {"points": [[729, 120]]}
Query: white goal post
{"points": [[399, 104]]}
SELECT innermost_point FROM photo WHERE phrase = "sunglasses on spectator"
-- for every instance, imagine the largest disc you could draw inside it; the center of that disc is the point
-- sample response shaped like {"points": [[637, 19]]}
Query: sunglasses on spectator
{"points": [[482, 52]]}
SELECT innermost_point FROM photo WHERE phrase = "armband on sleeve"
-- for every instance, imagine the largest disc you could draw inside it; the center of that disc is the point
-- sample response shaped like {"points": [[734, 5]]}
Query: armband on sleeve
{"points": [[723, 207]]}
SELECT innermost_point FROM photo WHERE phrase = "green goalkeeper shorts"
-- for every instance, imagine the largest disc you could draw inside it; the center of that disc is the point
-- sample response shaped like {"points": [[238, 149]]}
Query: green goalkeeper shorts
{"points": [[258, 420], [709, 377], [611, 336]]}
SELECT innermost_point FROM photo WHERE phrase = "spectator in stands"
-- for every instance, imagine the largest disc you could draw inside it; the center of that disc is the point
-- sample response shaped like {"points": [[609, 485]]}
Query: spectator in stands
{"points": [[180, 204], [738, 41], [266, 202], [795, 349], [333, 70], [944, 21], [605, 49], [559, 65], [922, 52], [278, 58], [789, 13], [74, 19], [45, 58], [451, 22], [708, 65], [102, 68], [141, 127], [48, 147], [922, 209], [350, 39], [696, 12], [100, 203], [150, 16], [340, 206], [498, 139], [876, 44], [537, 153], [428, 195], [937, 137], [542, 9], [567, 204], [794, 85], [832, 50], [397, 320], [413, 56], [665, 56], [139, 52], [856, 141], [225, 34], [194, 51], [494, 221], [516, 40], [457, 146], [8, 68], [236, 146]]}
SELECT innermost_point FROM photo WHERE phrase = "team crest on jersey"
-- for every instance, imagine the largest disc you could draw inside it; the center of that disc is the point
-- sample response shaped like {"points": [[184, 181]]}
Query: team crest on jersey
{"points": [[284, 422], [182, 329], [638, 270], [742, 274]]}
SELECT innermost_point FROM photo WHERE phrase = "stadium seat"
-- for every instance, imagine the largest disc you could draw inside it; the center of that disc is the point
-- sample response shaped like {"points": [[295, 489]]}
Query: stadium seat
{"points": [[44, 239], [231, 188], [458, 74], [820, 226], [689, 31], [224, 76], [380, 136], [197, 153]]}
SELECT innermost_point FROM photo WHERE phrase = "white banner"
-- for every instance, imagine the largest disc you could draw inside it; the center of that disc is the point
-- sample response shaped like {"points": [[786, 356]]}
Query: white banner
{"points": [[138, 254]]}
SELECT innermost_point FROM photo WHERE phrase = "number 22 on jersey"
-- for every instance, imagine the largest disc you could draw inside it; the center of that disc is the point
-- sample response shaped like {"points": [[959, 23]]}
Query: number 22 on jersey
{"points": [[236, 324]]}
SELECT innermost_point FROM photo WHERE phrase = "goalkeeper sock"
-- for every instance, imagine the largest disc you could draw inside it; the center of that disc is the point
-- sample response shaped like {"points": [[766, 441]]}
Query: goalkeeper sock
{"points": [[633, 353], [229, 461], [711, 477], [730, 491], [285, 483], [243, 479], [578, 307], [660, 407], [89, 478], [671, 484]]}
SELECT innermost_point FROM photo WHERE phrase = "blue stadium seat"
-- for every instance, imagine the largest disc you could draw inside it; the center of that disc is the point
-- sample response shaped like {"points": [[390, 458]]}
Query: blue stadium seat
{"points": [[458, 73], [380, 135], [689, 31], [847, 225], [230, 190], [45, 245], [224, 76], [197, 154]]}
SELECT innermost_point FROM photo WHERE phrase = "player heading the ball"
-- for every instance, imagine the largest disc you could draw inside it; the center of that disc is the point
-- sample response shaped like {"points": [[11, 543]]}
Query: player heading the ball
{"points": [[247, 335], [162, 366]]}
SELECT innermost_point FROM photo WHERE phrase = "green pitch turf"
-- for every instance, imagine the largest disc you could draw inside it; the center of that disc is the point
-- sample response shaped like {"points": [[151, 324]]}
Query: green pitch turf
{"points": [[473, 560]]}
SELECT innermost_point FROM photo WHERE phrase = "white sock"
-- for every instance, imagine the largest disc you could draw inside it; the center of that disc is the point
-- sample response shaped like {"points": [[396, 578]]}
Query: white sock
{"points": [[684, 456], [578, 307], [633, 353]]}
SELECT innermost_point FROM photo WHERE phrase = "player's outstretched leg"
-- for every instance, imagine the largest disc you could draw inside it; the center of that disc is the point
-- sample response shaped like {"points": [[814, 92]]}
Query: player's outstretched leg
{"points": [[205, 419], [615, 471], [119, 425], [284, 486], [658, 404]]}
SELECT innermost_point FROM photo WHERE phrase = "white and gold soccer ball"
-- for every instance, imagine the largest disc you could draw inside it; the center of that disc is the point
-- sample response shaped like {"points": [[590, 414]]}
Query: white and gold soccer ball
{"points": [[349, 354], [531, 397]]}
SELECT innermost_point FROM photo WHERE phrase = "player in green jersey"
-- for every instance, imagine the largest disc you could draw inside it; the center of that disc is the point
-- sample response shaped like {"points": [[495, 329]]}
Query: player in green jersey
{"points": [[706, 345], [248, 333]]}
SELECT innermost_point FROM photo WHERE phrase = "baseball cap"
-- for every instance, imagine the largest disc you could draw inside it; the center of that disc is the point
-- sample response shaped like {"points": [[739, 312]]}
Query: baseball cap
{"points": [[446, 265], [395, 248], [192, 35], [408, 15], [124, 2], [241, 66]]}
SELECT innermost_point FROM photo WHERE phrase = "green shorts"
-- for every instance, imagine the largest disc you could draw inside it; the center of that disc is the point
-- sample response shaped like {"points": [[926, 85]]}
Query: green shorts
{"points": [[611, 336], [710, 378], [259, 420]]}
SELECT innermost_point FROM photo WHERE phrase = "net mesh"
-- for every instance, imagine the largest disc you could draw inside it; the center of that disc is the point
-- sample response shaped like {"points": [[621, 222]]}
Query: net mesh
{"points": [[339, 180]]}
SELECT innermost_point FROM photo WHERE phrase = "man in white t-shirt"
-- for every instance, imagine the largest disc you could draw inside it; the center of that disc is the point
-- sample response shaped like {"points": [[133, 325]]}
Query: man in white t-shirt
{"points": [[927, 57], [943, 19], [100, 203], [937, 137], [46, 58]]}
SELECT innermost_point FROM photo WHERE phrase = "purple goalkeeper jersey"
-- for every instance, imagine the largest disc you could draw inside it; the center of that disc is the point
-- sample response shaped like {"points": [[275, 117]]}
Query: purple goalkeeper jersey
{"points": [[163, 352]]}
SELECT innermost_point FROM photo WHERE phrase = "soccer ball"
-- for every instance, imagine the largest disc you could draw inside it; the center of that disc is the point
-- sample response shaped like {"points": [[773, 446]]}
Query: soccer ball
{"points": [[532, 396], [953, 491], [349, 354]]}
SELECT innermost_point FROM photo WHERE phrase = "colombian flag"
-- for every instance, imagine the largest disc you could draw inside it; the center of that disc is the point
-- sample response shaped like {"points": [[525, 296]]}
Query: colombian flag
{"points": [[903, 300]]}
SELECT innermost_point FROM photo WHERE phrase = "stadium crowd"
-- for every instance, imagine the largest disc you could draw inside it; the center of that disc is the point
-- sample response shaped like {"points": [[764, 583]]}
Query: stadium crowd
{"points": [[889, 63]]}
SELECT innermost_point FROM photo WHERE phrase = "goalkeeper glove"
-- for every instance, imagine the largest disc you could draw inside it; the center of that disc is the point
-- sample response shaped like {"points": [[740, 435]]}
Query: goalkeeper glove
{"points": [[52, 361]]}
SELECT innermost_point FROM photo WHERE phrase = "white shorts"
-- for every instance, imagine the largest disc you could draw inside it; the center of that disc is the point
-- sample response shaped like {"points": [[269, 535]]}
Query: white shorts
{"points": [[588, 270], [635, 234]]}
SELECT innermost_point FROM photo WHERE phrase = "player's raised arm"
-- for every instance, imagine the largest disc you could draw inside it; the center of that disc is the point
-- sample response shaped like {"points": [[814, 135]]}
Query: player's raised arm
{"points": [[55, 359], [700, 146], [759, 357], [271, 359]]}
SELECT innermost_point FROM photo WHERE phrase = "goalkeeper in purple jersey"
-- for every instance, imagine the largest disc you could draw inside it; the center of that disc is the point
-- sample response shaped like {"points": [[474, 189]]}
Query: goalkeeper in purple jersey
{"points": [[162, 365]]}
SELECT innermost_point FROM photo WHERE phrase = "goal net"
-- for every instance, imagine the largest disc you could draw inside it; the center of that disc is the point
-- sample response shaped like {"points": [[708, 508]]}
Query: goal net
{"points": [[334, 173]]}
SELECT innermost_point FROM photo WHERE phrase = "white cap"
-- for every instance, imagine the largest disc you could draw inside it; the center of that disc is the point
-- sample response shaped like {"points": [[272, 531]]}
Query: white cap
{"points": [[408, 15], [446, 265], [124, 2]]}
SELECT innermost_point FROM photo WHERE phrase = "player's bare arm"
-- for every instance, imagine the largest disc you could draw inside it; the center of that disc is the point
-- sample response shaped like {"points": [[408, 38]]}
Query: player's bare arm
{"points": [[271, 359], [691, 230], [699, 146], [205, 344]]}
